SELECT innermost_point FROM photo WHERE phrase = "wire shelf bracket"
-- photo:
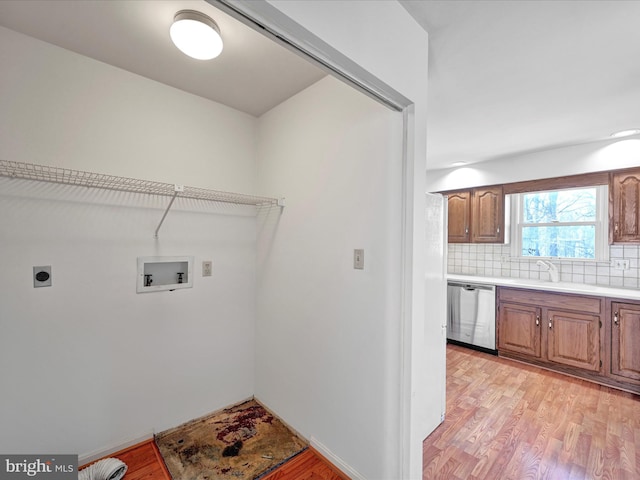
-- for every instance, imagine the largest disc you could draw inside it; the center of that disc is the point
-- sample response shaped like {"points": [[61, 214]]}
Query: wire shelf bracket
{"points": [[67, 176]]}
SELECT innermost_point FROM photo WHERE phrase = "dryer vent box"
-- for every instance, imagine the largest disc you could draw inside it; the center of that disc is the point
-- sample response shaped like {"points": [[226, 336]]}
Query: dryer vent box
{"points": [[164, 273]]}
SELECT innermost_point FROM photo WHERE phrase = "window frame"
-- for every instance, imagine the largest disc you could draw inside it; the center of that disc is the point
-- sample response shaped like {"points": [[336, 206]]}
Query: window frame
{"points": [[601, 225]]}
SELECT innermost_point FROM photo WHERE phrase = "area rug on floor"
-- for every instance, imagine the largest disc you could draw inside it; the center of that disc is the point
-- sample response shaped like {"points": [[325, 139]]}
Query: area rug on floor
{"points": [[242, 442]]}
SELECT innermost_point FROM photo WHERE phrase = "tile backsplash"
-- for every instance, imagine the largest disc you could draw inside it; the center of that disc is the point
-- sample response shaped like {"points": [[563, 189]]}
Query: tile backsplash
{"points": [[495, 261]]}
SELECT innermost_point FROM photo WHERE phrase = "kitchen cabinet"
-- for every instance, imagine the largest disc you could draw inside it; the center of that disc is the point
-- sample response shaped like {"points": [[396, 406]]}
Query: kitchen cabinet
{"points": [[624, 203], [476, 216], [519, 329], [551, 329], [459, 215], [574, 339], [625, 342], [487, 215]]}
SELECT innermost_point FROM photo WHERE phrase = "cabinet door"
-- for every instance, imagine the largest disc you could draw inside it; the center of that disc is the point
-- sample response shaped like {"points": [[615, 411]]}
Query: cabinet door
{"points": [[519, 329], [574, 339], [625, 200], [625, 341], [459, 217], [487, 215]]}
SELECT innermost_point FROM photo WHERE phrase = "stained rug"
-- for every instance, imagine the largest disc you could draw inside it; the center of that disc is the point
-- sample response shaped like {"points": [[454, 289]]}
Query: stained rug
{"points": [[243, 442]]}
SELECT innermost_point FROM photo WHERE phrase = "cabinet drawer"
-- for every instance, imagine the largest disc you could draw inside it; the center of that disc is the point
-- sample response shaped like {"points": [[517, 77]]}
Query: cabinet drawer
{"points": [[564, 301]]}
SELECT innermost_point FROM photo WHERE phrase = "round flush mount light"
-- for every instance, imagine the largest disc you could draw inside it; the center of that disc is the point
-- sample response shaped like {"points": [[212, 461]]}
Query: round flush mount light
{"points": [[458, 164], [196, 35], [626, 133]]}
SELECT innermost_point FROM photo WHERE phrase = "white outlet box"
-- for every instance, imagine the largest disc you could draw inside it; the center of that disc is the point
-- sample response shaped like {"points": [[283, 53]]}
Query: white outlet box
{"points": [[620, 264], [207, 268]]}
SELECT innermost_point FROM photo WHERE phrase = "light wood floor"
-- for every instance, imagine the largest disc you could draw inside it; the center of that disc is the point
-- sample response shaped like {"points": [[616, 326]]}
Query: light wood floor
{"points": [[144, 462], [507, 420]]}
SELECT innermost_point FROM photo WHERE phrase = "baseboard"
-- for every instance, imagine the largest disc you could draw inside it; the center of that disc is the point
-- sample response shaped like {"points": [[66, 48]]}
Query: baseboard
{"points": [[335, 460], [90, 457]]}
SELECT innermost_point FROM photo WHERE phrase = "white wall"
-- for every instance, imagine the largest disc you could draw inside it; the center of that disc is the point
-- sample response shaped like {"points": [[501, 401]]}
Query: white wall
{"points": [[327, 332], [381, 38], [64, 109], [558, 162], [88, 364]]}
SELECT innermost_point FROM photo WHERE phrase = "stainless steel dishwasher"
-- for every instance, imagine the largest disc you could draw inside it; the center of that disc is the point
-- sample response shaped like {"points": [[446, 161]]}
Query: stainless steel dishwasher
{"points": [[471, 312]]}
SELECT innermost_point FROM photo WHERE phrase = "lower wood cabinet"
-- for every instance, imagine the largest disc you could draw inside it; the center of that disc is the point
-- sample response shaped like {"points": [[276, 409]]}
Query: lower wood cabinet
{"points": [[519, 329], [625, 342], [553, 328], [573, 339], [595, 338]]}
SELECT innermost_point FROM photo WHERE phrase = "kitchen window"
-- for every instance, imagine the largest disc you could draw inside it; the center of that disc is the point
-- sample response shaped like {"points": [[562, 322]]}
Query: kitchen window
{"points": [[563, 224]]}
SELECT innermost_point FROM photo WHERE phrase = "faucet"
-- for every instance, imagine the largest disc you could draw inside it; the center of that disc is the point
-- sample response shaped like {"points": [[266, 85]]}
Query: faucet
{"points": [[551, 268]]}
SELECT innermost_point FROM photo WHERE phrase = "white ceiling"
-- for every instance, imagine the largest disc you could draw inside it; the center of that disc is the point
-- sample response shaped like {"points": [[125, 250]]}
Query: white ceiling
{"points": [[253, 74], [511, 77], [506, 77]]}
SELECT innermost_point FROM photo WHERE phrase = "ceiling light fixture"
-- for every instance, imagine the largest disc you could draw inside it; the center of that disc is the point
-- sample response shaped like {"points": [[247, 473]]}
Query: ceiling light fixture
{"points": [[458, 164], [196, 35], [626, 133]]}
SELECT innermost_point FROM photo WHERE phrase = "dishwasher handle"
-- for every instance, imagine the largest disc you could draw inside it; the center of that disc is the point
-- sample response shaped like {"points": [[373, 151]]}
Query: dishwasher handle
{"points": [[470, 287]]}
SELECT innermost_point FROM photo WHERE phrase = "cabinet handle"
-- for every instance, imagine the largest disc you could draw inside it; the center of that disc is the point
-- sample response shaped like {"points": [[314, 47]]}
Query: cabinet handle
{"points": [[537, 320], [466, 229], [615, 227], [498, 230], [615, 318], [549, 322]]}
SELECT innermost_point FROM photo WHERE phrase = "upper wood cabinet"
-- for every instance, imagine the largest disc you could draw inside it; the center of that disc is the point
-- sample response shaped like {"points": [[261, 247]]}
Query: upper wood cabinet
{"points": [[476, 216], [624, 211], [459, 214], [487, 214]]}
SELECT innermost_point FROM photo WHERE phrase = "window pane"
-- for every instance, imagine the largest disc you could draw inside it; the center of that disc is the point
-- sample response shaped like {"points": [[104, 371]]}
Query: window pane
{"points": [[575, 205], [578, 241]]}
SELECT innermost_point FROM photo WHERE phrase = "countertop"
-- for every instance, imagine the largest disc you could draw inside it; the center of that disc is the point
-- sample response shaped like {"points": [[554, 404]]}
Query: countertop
{"points": [[563, 287]]}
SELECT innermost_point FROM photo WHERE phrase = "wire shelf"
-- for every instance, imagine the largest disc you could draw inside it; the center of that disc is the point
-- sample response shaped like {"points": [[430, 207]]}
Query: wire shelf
{"points": [[68, 176]]}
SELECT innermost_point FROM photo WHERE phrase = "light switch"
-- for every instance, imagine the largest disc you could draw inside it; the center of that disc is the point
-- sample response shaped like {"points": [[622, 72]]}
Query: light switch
{"points": [[358, 259]]}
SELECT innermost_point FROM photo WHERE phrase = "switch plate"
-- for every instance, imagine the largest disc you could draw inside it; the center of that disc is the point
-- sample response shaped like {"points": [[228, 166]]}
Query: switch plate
{"points": [[42, 276], [358, 259], [207, 268], [621, 264]]}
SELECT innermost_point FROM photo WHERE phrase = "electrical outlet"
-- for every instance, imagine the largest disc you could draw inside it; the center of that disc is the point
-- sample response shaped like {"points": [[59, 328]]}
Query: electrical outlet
{"points": [[358, 259], [42, 276], [619, 264], [504, 259], [207, 268]]}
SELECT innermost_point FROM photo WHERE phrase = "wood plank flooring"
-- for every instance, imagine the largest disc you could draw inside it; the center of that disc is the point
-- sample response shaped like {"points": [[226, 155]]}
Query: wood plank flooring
{"points": [[507, 420], [309, 465], [144, 462]]}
